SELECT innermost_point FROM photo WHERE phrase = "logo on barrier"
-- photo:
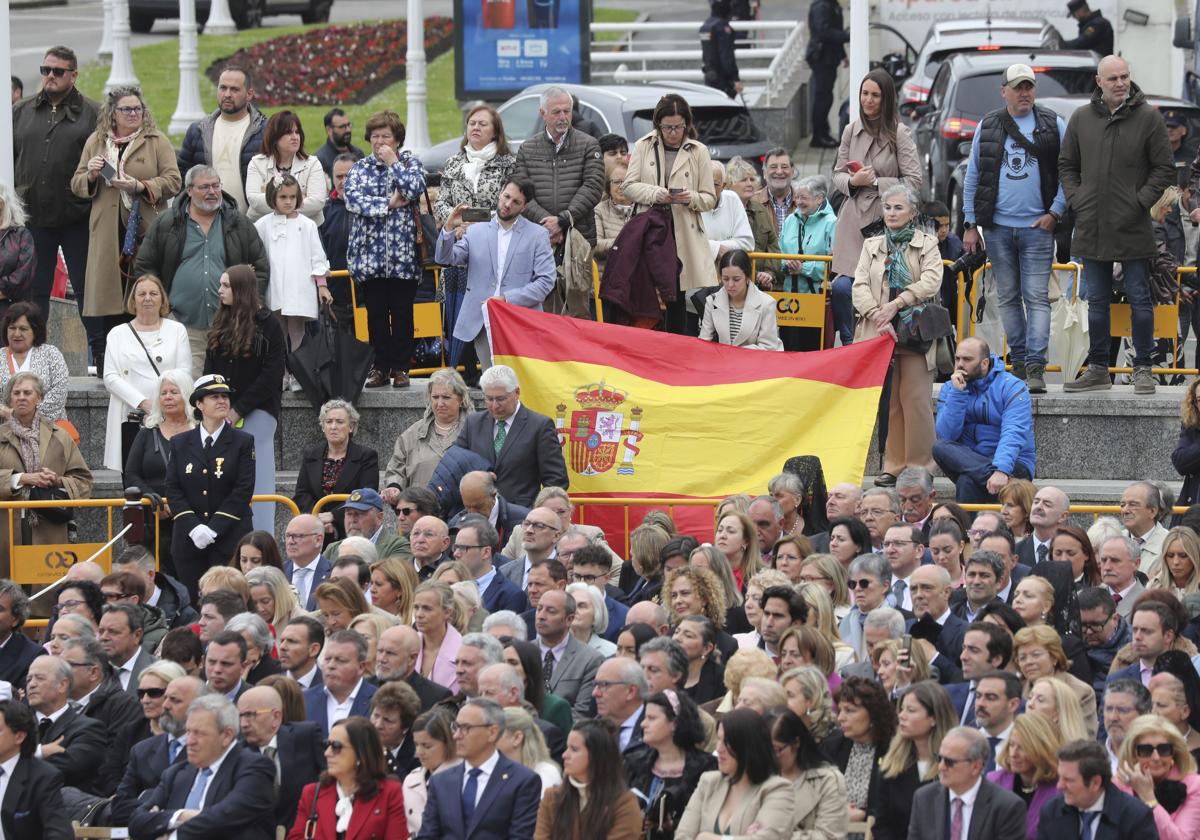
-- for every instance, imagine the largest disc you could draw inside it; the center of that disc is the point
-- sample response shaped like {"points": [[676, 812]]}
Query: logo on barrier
{"points": [[598, 432], [61, 559], [787, 306], [47, 563]]}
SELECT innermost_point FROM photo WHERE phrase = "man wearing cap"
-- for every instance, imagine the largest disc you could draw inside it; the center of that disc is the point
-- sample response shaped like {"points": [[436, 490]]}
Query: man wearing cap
{"points": [[1095, 32], [1012, 193], [1115, 163], [210, 479], [364, 518]]}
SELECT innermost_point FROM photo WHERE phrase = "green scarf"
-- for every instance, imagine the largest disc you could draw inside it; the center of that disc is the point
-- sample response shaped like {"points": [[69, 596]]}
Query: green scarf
{"points": [[896, 266]]}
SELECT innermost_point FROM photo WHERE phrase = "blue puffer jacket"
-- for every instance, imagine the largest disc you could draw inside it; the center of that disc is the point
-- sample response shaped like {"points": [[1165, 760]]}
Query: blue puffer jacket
{"points": [[813, 235], [993, 416]]}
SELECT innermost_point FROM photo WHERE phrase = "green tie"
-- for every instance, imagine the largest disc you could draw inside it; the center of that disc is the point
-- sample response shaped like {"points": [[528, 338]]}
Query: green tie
{"points": [[500, 435]]}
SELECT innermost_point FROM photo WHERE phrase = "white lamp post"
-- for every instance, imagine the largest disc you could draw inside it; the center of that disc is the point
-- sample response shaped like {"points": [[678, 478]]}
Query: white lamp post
{"points": [[121, 73], [860, 49], [6, 129], [105, 50], [417, 127], [189, 109], [219, 22]]}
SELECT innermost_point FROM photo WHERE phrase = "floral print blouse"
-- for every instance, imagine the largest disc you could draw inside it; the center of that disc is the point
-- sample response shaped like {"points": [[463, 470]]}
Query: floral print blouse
{"points": [[382, 239]]}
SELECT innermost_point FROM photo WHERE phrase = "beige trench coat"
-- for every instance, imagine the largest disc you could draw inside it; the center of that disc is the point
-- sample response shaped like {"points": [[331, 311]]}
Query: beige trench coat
{"points": [[151, 160], [693, 172], [862, 205], [870, 287]]}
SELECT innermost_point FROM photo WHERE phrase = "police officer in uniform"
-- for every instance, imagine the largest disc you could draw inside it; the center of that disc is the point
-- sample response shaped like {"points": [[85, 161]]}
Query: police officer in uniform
{"points": [[1095, 32], [210, 479], [716, 51]]}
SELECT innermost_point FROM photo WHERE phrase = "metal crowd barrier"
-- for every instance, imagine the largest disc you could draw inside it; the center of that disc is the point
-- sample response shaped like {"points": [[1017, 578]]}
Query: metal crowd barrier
{"points": [[1093, 510]]}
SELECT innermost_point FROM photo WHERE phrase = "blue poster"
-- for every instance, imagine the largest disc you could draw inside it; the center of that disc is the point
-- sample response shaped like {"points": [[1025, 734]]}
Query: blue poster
{"points": [[503, 46]]}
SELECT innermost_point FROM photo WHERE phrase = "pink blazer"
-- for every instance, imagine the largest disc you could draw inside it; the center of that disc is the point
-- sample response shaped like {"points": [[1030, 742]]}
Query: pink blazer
{"points": [[1184, 824], [443, 667]]}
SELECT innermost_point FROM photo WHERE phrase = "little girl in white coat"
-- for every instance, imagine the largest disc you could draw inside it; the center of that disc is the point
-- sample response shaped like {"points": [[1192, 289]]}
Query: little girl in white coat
{"points": [[299, 268]]}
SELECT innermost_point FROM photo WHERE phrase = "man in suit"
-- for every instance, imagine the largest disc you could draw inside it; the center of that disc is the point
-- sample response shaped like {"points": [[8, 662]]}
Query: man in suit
{"points": [[931, 606], [1004, 544], [429, 540], [475, 545], [294, 747], [522, 444], [477, 651], [1090, 806], [986, 647], [1049, 510], [99, 696], [841, 503], [396, 660], [1155, 629], [508, 258], [300, 643], [17, 651], [964, 805], [164, 592], [306, 568], [31, 803], [620, 692], [917, 495], [345, 693], [880, 511], [1142, 506], [149, 759], [120, 635], [1118, 559], [1104, 633], [502, 684], [223, 790], [225, 665], [394, 709], [364, 518], [981, 571], [902, 547], [767, 515], [487, 796], [568, 666], [71, 742], [479, 496], [881, 623], [997, 702], [216, 609], [540, 531]]}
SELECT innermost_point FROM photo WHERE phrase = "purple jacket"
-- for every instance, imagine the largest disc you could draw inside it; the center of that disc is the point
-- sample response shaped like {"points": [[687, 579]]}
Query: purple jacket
{"points": [[643, 259], [1044, 793]]}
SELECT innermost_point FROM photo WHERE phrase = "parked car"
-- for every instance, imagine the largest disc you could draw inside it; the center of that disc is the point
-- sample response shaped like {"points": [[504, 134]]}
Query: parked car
{"points": [[247, 14], [725, 126], [968, 86], [1065, 106], [950, 37]]}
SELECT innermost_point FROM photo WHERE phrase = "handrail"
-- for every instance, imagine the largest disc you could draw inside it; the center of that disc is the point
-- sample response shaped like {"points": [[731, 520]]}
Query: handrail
{"points": [[319, 505], [1094, 510], [691, 25]]}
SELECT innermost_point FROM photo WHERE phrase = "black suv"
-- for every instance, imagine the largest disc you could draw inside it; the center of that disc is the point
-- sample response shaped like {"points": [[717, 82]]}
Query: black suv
{"points": [[247, 14], [968, 86]]}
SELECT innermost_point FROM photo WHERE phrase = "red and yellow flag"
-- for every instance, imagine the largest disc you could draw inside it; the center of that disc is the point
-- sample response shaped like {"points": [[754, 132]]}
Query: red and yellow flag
{"points": [[642, 413]]}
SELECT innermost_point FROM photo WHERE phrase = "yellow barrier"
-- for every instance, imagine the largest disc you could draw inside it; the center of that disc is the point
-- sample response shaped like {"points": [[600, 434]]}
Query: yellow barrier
{"points": [[427, 318], [328, 500], [1094, 510]]}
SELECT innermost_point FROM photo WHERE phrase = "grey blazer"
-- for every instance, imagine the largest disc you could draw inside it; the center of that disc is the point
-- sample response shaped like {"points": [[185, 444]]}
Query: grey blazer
{"points": [[772, 805], [574, 674], [1125, 608], [998, 814], [143, 661]]}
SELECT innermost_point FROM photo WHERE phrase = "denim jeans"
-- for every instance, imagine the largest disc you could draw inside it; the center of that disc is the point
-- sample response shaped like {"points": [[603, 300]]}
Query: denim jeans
{"points": [[969, 471], [1021, 259], [841, 299], [1099, 295]]}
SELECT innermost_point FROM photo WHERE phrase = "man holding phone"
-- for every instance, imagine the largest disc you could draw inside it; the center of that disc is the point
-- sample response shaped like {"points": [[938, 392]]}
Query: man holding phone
{"points": [[508, 258]]}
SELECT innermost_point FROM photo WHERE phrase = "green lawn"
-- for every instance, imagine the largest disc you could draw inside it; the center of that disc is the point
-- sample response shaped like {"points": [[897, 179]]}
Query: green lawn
{"points": [[157, 65]]}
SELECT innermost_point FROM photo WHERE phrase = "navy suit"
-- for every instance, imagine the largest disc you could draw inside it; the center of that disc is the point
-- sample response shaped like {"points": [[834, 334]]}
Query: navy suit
{"points": [[958, 696], [502, 594], [324, 568], [239, 803], [84, 744], [33, 804], [16, 656], [1123, 818], [148, 760], [530, 459], [301, 759], [507, 808], [616, 618], [1129, 672], [314, 704]]}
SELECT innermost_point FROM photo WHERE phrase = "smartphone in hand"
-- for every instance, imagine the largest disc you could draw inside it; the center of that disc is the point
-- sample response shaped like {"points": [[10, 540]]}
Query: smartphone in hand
{"points": [[476, 214], [108, 171]]}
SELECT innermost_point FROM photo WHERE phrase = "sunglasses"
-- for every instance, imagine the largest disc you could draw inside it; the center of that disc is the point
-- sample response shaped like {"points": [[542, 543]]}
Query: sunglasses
{"points": [[334, 747], [58, 72], [1147, 750], [949, 762], [405, 511], [151, 692], [859, 584]]}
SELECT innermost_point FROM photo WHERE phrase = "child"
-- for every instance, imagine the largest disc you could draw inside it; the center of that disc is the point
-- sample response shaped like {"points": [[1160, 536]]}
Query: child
{"points": [[297, 260]]}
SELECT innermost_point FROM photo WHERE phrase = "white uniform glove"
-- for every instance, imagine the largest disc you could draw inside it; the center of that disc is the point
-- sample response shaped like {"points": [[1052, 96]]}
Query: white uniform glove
{"points": [[202, 536]]}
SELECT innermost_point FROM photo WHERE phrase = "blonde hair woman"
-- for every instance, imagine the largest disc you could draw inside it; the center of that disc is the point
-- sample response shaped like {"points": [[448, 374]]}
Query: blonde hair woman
{"points": [[525, 744], [1177, 568], [808, 696], [761, 694], [825, 570], [738, 541], [224, 577], [746, 663], [895, 674], [271, 596], [1028, 765], [1038, 652], [393, 583], [470, 606], [1156, 779], [1053, 700], [707, 556], [821, 618], [926, 715]]}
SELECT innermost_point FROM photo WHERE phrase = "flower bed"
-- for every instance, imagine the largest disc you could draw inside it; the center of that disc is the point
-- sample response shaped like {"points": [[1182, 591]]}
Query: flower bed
{"points": [[334, 65]]}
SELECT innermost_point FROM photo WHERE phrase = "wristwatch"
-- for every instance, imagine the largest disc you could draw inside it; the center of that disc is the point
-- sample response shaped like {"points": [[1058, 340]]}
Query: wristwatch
{"points": [[968, 226]]}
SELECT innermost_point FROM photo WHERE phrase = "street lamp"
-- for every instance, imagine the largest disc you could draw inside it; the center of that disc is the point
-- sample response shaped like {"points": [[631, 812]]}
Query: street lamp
{"points": [[121, 73], [219, 22], [189, 109], [105, 50], [6, 128], [417, 129]]}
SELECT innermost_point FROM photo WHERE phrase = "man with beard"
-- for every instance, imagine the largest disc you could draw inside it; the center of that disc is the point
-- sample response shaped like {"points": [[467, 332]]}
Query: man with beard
{"points": [[507, 258], [338, 132], [984, 425]]}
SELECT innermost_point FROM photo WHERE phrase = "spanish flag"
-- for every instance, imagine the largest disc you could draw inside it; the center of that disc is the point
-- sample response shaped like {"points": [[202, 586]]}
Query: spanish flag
{"points": [[648, 414]]}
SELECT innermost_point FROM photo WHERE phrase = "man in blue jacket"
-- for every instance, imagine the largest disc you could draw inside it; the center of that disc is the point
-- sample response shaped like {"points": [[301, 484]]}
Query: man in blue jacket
{"points": [[984, 425]]}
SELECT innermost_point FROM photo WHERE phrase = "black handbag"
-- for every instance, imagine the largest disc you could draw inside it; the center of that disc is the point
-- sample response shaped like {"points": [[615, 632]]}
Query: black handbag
{"points": [[53, 515], [917, 327]]}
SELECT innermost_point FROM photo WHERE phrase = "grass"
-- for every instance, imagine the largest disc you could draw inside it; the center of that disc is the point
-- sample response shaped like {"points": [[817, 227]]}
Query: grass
{"points": [[156, 66]]}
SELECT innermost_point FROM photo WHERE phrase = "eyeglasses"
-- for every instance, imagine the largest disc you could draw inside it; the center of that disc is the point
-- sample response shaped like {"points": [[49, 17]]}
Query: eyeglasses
{"points": [[859, 584], [947, 760], [465, 728], [978, 533], [83, 665], [151, 692], [463, 549], [581, 578], [72, 604], [875, 511], [334, 747], [253, 713], [130, 110], [663, 127], [115, 596], [1147, 750], [206, 188], [538, 526], [605, 685], [58, 72], [1095, 626]]}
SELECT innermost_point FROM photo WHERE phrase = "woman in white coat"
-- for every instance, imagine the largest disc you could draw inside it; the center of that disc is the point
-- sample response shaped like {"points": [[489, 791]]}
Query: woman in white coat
{"points": [[283, 153], [138, 351], [739, 313]]}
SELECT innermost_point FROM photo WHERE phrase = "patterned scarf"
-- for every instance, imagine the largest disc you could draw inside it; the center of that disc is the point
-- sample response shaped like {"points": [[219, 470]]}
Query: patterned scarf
{"points": [[896, 266], [112, 153], [28, 442]]}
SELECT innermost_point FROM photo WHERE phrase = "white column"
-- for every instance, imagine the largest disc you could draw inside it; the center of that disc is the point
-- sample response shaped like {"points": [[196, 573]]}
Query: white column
{"points": [[860, 49], [105, 50], [189, 108], [416, 127], [219, 22], [6, 129], [121, 73]]}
